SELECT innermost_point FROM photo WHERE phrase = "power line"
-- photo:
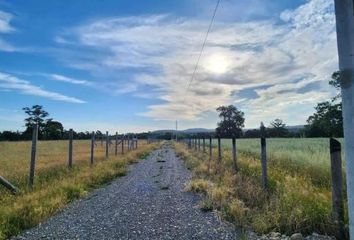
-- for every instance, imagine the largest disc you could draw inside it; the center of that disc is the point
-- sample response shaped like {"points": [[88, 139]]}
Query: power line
{"points": [[204, 42]]}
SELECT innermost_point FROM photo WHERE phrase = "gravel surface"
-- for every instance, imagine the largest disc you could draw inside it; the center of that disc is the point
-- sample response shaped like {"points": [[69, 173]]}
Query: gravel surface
{"points": [[148, 203]]}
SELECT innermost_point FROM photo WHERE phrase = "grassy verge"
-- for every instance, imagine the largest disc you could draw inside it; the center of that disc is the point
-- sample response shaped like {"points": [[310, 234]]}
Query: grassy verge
{"points": [[57, 186], [292, 204]]}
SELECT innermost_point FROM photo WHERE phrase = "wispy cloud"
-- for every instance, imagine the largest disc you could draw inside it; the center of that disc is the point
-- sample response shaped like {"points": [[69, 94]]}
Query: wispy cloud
{"points": [[10, 82], [5, 27], [5, 19], [62, 78], [299, 46]]}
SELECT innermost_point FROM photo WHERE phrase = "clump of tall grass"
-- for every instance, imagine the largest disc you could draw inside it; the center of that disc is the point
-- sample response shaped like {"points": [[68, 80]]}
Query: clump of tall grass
{"points": [[57, 186], [293, 202]]}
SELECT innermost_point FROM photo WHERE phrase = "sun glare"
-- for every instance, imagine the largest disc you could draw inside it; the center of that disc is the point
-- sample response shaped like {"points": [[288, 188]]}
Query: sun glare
{"points": [[217, 64]]}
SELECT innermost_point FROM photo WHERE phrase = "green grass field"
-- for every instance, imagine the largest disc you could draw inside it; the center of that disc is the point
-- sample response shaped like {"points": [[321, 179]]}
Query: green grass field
{"points": [[299, 195], [54, 184], [304, 156]]}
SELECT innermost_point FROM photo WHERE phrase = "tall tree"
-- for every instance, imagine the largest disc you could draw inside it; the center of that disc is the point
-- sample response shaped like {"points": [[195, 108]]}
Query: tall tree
{"points": [[232, 122], [277, 129], [36, 115]]}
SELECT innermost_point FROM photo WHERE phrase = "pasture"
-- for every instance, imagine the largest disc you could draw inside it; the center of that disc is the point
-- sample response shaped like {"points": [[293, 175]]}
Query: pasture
{"points": [[299, 195], [55, 185], [309, 157]]}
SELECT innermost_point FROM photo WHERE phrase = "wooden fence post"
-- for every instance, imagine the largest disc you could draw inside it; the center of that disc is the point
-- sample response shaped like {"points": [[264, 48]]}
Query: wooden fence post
{"points": [[234, 154], [123, 139], [219, 150], [264, 157], [203, 144], [337, 187], [70, 162], [107, 142], [116, 146], [198, 144], [92, 147], [210, 153], [33, 155], [195, 144], [128, 143]]}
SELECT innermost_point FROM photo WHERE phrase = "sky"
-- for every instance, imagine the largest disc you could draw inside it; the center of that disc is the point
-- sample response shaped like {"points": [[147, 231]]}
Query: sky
{"points": [[127, 65]]}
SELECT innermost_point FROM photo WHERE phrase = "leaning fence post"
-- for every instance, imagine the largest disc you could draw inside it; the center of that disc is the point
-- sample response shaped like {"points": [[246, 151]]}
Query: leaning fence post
{"points": [[107, 142], [234, 156], [33, 154], [264, 157], [337, 187], [219, 150], [116, 146], [70, 162], [8, 185]]}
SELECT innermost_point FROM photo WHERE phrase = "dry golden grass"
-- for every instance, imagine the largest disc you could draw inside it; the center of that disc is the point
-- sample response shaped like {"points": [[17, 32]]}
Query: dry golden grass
{"points": [[55, 184], [293, 202]]}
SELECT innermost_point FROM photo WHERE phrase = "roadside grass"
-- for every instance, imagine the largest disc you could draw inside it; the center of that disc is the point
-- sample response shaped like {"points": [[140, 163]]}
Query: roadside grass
{"points": [[55, 184], [292, 204]]}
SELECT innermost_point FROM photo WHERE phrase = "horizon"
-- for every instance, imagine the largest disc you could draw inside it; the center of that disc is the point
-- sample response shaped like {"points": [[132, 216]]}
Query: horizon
{"points": [[127, 67]]}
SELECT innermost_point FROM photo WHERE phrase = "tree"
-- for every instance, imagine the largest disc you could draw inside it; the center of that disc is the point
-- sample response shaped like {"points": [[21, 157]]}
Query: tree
{"points": [[53, 130], [327, 121], [335, 82], [36, 115], [232, 122], [277, 129]]}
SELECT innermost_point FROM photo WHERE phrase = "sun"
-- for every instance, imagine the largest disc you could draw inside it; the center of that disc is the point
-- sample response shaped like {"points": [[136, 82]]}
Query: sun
{"points": [[217, 64]]}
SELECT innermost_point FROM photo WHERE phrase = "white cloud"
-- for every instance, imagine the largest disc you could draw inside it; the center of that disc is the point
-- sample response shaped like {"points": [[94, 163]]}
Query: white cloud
{"points": [[62, 78], [5, 27], [300, 46], [10, 82], [5, 19]]}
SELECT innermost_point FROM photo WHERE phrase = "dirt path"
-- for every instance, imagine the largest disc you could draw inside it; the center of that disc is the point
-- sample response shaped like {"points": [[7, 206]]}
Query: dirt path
{"points": [[148, 203]]}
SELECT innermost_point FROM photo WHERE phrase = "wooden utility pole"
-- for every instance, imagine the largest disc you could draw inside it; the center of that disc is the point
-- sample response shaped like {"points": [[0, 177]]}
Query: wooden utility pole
{"points": [[344, 10]]}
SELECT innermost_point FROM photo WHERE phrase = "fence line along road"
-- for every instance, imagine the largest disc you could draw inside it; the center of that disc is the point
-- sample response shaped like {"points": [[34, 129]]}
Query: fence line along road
{"points": [[132, 144], [336, 171]]}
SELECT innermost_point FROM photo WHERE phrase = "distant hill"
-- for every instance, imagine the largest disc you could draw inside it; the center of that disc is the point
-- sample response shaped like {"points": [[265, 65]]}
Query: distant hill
{"points": [[190, 130], [294, 128]]}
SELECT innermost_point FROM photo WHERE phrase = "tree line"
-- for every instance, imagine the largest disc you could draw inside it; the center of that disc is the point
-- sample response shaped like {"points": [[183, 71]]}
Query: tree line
{"points": [[48, 129]]}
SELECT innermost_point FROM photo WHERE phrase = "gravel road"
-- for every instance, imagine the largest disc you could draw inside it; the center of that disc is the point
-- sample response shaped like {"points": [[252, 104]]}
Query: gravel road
{"points": [[148, 203]]}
